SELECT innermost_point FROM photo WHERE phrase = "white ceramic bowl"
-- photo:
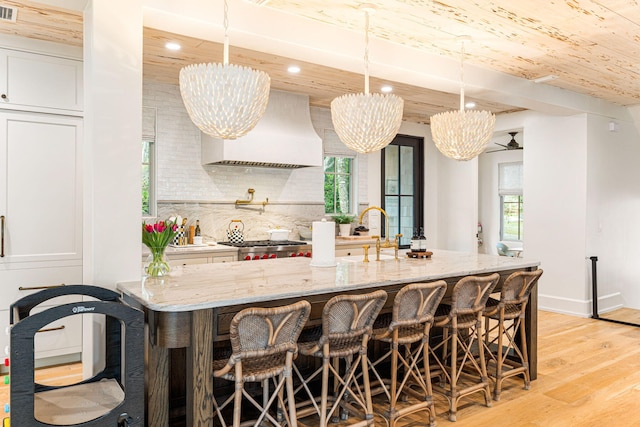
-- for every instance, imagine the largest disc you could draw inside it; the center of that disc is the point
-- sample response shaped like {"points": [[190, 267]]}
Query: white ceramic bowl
{"points": [[279, 234]]}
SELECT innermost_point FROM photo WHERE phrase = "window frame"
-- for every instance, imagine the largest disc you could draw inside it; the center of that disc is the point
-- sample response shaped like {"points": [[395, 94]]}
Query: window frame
{"points": [[511, 190], [149, 137], [520, 227], [353, 175]]}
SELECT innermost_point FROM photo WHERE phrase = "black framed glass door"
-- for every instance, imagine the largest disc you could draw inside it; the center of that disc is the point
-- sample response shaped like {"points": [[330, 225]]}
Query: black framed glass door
{"points": [[403, 186]]}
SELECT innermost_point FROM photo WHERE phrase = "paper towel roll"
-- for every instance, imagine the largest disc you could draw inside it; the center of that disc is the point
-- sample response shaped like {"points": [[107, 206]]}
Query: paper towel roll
{"points": [[323, 244]]}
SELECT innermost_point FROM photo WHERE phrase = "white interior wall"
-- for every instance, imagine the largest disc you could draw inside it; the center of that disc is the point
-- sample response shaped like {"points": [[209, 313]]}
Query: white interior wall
{"points": [[555, 192], [113, 125], [555, 175], [457, 204], [613, 202]]}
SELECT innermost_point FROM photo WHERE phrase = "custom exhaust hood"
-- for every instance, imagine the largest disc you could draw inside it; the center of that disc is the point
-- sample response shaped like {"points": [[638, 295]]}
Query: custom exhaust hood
{"points": [[283, 138]]}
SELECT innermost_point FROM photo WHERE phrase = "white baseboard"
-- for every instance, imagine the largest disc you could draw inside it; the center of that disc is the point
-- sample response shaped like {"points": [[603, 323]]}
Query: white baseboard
{"points": [[579, 308]]}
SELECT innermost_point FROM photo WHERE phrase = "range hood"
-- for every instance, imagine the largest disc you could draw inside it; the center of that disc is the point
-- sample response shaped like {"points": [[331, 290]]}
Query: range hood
{"points": [[284, 138]]}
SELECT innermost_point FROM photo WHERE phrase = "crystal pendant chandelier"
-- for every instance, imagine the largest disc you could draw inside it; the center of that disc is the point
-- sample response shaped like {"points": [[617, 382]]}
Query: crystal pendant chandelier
{"points": [[224, 100], [462, 135], [367, 122]]}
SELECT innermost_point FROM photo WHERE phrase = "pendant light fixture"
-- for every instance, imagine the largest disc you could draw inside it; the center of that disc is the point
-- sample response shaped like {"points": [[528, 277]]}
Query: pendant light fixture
{"points": [[367, 122], [224, 100], [462, 135]]}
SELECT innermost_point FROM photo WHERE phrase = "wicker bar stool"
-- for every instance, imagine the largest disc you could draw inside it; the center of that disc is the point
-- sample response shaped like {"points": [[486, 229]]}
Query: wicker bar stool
{"points": [[462, 335], [509, 313], [410, 322], [263, 343], [347, 322]]}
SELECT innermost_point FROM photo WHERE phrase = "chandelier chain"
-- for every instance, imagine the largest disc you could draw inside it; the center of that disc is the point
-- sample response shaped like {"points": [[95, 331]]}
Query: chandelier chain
{"points": [[225, 22], [462, 76], [366, 52]]}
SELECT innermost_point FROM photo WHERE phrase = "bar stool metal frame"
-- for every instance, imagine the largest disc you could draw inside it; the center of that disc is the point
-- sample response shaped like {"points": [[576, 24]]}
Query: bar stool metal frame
{"points": [[347, 324], [462, 328], [410, 322], [509, 312], [263, 342]]}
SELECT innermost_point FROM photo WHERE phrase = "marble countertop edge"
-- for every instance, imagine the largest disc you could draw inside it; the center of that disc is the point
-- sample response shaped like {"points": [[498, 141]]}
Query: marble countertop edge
{"points": [[196, 287]]}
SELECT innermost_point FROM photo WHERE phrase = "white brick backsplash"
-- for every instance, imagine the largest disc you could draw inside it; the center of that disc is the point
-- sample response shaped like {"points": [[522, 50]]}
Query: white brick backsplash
{"points": [[297, 193]]}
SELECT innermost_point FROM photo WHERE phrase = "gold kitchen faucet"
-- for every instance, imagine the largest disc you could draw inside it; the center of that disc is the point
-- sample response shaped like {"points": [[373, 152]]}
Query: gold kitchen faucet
{"points": [[386, 243]]}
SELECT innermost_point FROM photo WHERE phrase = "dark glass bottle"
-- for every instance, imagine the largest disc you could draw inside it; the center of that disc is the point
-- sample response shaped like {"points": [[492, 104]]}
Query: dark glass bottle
{"points": [[423, 240], [415, 242], [197, 233]]}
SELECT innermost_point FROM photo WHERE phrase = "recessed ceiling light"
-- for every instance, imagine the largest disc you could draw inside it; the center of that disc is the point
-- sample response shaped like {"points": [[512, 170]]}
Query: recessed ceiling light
{"points": [[293, 69], [386, 89], [470, 104], [172, 46], [544, 79]]}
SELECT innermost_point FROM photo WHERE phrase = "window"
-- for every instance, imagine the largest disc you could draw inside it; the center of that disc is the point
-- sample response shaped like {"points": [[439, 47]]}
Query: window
{"points": [[340, 175], [511, 201], [338, 185], [402, 186], [511, 227], [148, 161]]}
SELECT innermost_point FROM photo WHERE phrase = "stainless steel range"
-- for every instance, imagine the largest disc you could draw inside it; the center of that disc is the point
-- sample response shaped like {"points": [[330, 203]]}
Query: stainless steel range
{"points": [[268, 249]]}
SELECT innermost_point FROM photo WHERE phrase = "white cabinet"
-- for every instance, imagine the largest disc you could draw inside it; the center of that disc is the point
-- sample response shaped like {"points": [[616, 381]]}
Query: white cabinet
{"points": [[40, 187], [41, 210], [37, 82]]}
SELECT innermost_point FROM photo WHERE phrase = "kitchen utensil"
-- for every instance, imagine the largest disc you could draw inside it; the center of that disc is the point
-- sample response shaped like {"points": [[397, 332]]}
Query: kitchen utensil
{"points": [[235, 232], [279, 234]]}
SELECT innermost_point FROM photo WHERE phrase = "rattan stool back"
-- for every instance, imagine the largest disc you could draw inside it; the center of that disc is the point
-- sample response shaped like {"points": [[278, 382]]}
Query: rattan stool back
{"points": [[406, 331], [263, 343]]}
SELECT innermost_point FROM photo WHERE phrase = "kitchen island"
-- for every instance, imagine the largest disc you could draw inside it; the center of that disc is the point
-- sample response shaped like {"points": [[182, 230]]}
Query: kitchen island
{"points": [[192, 307]]}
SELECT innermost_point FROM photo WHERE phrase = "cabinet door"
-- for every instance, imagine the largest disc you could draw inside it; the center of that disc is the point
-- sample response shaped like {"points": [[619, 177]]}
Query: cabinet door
{"points": [[40, 187], [39, 82]]}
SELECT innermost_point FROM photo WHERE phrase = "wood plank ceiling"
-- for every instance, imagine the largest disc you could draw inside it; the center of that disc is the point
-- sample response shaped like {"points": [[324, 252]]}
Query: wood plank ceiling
{"points": [[592, 46]]}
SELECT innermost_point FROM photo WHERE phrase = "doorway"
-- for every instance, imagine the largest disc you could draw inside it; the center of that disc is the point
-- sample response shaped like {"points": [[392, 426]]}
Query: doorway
{"points": [[403, 186]]}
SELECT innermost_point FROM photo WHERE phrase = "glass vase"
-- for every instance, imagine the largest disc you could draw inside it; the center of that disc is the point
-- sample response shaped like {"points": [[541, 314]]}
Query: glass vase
{"points": [[157, 264]]}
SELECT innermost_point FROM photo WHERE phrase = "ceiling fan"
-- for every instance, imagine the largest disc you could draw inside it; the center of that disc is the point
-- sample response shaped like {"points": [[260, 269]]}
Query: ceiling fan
{"points": [[512, 145]]}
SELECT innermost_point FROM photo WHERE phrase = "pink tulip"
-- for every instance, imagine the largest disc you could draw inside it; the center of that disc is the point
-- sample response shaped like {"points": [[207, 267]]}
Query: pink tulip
{"points": [[148, 228]]}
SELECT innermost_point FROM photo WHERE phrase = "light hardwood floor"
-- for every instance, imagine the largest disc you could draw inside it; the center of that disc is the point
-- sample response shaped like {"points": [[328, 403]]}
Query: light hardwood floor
{"points": [[629, 315], [588, 375]]}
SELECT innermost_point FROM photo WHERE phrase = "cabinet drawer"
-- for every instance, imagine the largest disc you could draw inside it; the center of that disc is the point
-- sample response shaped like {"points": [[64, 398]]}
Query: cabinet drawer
{"points": [[11, 282], [188, 261], [224, 258], [352, 251]]}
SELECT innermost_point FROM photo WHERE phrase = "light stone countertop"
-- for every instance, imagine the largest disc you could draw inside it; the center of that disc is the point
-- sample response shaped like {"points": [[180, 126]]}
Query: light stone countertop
{"points": [[203, 286]]}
